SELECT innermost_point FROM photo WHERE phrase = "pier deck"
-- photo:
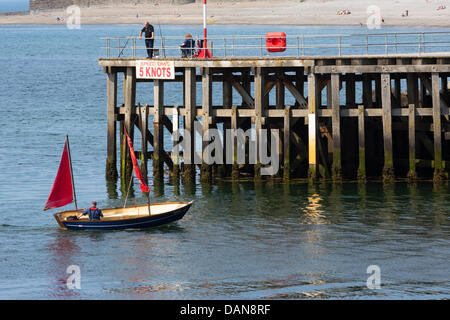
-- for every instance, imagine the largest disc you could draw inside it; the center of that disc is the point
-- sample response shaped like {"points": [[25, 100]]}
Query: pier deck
{"points": [[350, 117]]}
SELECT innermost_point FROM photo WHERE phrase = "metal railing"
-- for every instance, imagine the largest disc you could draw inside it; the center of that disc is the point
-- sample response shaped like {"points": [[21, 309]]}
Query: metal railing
{"points": [[296, 46]]}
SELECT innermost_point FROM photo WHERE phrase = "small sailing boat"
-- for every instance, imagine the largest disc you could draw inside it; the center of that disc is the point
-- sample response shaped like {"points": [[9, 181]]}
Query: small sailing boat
{"points": [[141, 216]]}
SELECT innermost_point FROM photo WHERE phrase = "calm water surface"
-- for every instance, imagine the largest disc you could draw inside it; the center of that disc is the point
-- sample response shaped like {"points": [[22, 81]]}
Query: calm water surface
{"points": [[238, 241]]}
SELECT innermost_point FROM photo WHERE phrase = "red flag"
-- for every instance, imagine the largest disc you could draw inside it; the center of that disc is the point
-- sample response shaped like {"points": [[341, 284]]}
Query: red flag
{"points": [[62, 190], [144, 186]]}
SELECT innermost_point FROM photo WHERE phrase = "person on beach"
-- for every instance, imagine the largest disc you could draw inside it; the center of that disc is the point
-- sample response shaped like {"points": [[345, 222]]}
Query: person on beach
{"points": [[93, 212], [187, 47], [149, 38]]}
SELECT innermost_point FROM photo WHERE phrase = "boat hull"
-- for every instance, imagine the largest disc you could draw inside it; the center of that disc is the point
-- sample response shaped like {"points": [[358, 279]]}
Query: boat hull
{"points": [[132, 223]]}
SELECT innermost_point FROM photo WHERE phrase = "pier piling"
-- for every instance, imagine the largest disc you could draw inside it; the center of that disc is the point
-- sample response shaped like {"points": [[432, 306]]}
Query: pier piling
{"points": [[383, 118]]}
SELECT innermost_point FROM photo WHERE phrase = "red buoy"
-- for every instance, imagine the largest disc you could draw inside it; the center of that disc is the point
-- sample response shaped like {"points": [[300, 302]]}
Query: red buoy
{"points": [[276, 41]]}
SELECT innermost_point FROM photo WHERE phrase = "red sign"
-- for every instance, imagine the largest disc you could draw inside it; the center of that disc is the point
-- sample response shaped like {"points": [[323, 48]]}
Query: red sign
{"points": [[147, 69]]}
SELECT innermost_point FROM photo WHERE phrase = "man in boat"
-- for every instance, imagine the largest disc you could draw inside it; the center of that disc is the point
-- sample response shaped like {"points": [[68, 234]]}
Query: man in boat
{"points": [[149, 38], [93, 212]]}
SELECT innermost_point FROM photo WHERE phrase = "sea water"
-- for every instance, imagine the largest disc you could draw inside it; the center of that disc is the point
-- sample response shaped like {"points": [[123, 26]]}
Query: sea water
{"points": [[239, 240]]}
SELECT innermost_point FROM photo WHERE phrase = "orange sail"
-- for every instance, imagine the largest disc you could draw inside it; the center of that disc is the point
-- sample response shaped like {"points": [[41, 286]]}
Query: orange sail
{"points": [[63, 188]]}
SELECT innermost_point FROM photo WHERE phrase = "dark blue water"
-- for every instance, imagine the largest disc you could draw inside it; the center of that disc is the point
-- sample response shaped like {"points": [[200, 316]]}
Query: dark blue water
{"points": [[240, 240]]}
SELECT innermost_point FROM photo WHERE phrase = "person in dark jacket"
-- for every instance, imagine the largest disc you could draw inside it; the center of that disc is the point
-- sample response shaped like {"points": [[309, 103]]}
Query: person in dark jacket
{"points": [[149, 38], [93, 212], [187, 47]]}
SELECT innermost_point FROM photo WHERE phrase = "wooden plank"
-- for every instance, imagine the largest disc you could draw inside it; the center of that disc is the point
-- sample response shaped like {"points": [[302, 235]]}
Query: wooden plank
{"points": [[336, 127], [436, 98], [246, 80], [111, 143], [143, 119], [382, 69], [388, 169], [129, 104], [234, 127], [280, 94], [286, 143], [260, 108], [350, 90], [206, 172], [158, 131], [362, 173], [244, 94], [443, 104], [377, 90], [175, 173], [329, 94], [297, 94], [227, 93], [412, 89], [367, 91], [190, 106], [166, 121], [300, 85], [313, 91], [412, 174]]}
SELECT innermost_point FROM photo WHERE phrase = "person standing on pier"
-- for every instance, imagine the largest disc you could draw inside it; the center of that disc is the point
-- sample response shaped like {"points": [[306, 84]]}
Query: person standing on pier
{"points": [[149, 38]]}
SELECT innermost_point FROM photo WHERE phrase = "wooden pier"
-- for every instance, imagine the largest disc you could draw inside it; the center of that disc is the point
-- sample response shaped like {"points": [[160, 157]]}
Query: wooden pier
{"points": [[384, 117]]}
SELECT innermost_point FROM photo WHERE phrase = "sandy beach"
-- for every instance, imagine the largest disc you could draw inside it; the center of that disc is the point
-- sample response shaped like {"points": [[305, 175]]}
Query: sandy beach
{"points": [[308, 12]]}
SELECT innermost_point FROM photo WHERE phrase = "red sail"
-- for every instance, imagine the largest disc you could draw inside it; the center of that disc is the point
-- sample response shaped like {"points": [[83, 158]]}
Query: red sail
{"points": [[62, 191], [144, 186]]}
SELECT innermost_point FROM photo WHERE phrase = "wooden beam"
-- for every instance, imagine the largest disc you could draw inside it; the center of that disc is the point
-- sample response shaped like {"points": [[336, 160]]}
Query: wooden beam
{"points": [[143, 120], [158, 131], [190, 90], [234, 126], [260, 110], [313, 93], [297, 95], [336, 127], [129, 104], [244, 94], [412, 173], [428, 68], [206, 172], [436, 98], [388, 169], [280, 94], [443, 104], [367, 91], [287, 143], [111, 143], [362, 173], [350, 90], [175, 173]]}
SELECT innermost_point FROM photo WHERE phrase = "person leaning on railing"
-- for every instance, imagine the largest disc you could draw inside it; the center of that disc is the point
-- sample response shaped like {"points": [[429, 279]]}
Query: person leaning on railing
{"points": [[187, 47], [149, 38]]}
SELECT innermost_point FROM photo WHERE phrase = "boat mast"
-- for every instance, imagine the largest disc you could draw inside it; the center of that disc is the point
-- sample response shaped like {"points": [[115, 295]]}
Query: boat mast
{"points": [[71, 173]]}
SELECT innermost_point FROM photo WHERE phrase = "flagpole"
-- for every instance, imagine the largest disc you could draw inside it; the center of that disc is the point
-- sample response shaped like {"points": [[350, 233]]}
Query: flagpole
{"points": [[204, 26], [71, 173], [204, 53]]}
